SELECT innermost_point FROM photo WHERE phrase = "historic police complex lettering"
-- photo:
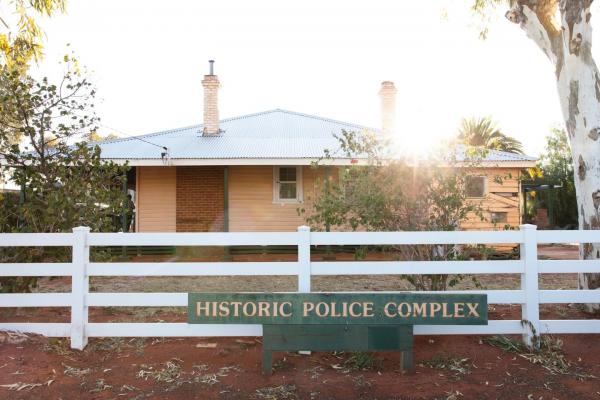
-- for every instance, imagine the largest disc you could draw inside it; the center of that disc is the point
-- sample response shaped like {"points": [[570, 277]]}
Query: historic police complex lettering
{"points": [[337, 308]]}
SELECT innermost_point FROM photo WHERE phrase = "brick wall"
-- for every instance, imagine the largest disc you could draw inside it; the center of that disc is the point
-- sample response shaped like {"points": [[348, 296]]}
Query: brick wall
{"points": [[200, 199], [211, 104]]}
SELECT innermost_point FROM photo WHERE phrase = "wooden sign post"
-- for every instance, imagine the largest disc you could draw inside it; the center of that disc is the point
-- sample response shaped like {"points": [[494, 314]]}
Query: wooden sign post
{"points": [[337, 321]]}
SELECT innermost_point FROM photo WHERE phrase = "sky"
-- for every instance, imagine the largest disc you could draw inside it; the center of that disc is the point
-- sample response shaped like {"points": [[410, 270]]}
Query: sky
{"points": [[328, 58]]}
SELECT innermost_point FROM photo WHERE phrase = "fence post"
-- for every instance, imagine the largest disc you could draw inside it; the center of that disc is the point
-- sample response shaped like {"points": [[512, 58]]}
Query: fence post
{"points": [[79, 287], [530, 310], [304, 272]]}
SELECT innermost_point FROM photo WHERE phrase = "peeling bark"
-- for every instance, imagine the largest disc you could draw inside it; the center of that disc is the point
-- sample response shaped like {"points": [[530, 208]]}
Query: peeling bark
{"points": [[568, 45], [596, 199], [581, 168], [573, 107], [575, 44]]}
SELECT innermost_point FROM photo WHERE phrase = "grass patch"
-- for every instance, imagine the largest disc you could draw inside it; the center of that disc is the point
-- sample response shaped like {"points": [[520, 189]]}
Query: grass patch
{"points": [[458, 366], [549, 355], [75, 372], [169, 373], [100, 386], [277, 392], [361, 361], [58, 346]]}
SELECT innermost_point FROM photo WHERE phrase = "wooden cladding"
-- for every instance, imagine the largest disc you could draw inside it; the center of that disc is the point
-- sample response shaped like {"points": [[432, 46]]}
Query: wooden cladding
{"points": [[156, 199]]}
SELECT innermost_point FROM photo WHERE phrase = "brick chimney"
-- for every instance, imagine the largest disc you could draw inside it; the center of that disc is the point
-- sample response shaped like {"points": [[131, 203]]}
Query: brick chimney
{"points": [[387, 93], [211, 102]]}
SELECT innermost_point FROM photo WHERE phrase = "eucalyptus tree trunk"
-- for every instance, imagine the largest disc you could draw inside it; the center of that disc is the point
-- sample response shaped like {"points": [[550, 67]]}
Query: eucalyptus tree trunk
{"points": [[563, 31]]}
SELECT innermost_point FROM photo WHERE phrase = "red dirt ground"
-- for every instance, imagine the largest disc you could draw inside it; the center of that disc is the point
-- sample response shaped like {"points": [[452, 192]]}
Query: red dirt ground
{"points": [[180, 369], [35, 367], [231, 370]]}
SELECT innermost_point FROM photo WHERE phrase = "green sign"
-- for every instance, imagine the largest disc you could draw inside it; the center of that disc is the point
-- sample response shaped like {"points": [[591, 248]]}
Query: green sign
{"points": [[337, 308]]}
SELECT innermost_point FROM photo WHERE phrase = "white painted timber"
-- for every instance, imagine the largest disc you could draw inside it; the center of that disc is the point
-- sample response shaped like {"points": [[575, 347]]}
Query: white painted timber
{"points": [[173, 329], [391, 238], [36, 239], [194, 239], [568, 237], [416, 267], [569, 296], [530, 310], [494, 327], [137, 300], [35, 300], [79, 300], [494, 296], [305, 267], [49, 329], [80, 284], [570, 326], [193, 269], [36, 269], [180, 299], [568, 266]]}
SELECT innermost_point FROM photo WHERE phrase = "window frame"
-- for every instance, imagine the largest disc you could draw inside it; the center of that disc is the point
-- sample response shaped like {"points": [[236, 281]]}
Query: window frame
{"points": [[485, 187], [276, 185], [492, 213]]}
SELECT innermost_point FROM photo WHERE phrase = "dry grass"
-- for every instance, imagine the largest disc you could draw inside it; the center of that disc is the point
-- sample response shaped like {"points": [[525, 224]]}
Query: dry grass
{"points": [[277, 392], [455, 365], [549, 356], [76, 372], [169, 373]]}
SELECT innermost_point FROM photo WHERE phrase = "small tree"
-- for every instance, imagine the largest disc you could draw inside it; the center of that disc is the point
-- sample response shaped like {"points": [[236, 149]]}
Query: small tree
{"points": [[557, 168], [64, 183], [388, 195]]}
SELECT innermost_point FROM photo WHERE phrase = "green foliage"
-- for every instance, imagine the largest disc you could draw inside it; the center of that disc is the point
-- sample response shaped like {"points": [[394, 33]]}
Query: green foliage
{"points": [[388, 195], [361, 360], [483, 133], [556, 165], [64, 182], [20, 43]]}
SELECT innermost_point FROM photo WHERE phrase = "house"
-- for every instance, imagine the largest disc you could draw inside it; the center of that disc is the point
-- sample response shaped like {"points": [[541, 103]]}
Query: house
{"points": [[253, 172]]}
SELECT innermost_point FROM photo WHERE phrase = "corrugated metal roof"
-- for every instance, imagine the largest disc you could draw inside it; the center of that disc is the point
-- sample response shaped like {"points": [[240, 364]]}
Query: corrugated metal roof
{"points": [[274, 134], [270, 134]]}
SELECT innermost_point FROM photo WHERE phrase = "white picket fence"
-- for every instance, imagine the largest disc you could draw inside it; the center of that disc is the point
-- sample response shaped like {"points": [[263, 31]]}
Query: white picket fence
{"points": [[80, 269]]}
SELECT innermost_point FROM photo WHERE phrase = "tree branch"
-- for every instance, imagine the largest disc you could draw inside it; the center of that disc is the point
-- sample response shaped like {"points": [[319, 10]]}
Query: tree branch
{"points": [[539, 31], [575, 19]]}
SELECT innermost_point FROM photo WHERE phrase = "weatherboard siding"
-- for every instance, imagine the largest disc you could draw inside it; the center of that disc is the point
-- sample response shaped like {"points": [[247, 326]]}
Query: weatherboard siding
{"points": [[499, 181], [157, 199], [251, 206]]}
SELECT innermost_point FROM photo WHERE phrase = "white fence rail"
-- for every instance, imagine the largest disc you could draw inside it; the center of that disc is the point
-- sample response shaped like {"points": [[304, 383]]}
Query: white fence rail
{"points": [[529, 296]]}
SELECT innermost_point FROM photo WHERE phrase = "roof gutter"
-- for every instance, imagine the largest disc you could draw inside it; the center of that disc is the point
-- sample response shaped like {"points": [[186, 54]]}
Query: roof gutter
{"points": [[297, 161]]}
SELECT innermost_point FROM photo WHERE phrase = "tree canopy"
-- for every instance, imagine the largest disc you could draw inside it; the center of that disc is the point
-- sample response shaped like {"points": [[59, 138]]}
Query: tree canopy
{"points": [[483, 132], [556, 168], [64, 182], [20, 32], [388, 195]]}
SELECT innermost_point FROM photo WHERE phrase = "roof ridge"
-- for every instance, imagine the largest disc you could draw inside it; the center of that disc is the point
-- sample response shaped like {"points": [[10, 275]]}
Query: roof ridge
{"points": [[274, 110], [146, 135], [327, 119]]}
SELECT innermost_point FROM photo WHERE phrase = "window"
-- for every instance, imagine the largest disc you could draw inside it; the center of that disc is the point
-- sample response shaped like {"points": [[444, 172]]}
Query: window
{"points": [[499, 217], [475, 186], [507, 194], [287, 184]]}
